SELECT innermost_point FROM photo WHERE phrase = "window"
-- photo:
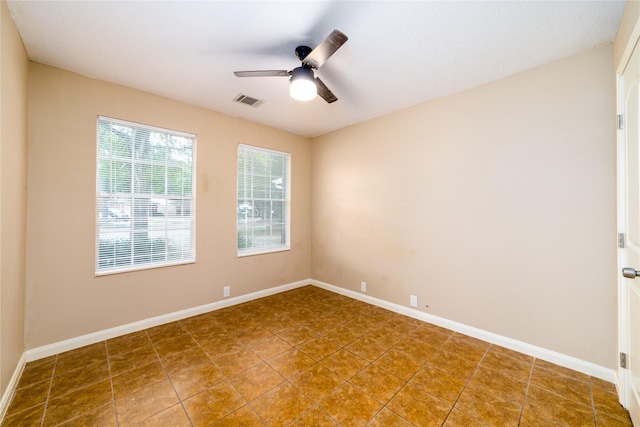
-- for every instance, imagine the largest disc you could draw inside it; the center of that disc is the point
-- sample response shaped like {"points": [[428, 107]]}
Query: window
{"points": [[263, 200], [145, 197]]}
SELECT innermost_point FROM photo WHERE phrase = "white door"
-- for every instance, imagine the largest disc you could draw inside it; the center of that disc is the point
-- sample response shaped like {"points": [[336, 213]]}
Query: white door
{"points": [[629, 226]]}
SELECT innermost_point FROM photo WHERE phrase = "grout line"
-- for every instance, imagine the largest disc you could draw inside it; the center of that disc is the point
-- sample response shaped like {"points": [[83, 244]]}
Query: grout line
{"points": [[526, 391], [466, 383], [113, 393], [46, 402]]}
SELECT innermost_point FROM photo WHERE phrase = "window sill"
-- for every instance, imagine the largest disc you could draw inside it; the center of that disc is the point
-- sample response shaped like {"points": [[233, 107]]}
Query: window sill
{"points": [[141, 268], [262, 252]]}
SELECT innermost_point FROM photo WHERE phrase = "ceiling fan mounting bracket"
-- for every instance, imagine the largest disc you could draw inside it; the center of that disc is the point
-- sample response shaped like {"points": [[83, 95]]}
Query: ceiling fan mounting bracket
{"points": [[302, 52]]}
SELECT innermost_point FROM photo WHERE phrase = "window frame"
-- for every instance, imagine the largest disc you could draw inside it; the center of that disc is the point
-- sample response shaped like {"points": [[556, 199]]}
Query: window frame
{"points": [[186, 201], [286, 211]]}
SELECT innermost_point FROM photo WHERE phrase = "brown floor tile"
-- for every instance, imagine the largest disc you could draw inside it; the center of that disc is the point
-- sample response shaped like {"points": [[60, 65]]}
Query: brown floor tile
{"points": [[387, 417], [399, 364], [137, 378], [306, 357], [29, 396], [485, 406], [316, 418], [344, 363], [243, 417], [377, 383], [316, 382], [605, 420], [503, 351], [498, 384], [168, 331], [603, 385], [318, 348], [185, 360], [236, 362], [341, 336], [221, 345], [278, 323], [465, 347], [419, 407], [432, 335], [350, 406], [199, 378], [175, 416], [256, 381], [127, 361], [320, 324], [213, 404], [438, 383], [78, 378], [566, 386], [607, 403], [418, 350], [127, 343], [269, 347], [458, 418], [367, 348], [146, 402], [561, 370], [83, 356], [541, 404], [291, 362], [104, 416], [453, 365], [29, 417], [519, 368], [36, 371], [386, 336], [78, 402], [247, 336], [173, 346], [200, 322], [282, 405], [296, 335]]}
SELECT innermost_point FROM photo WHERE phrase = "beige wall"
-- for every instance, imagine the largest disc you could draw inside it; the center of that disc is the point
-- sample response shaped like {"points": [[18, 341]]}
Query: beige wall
{"points": [[64, 299], [495, 206], [13, 194]]}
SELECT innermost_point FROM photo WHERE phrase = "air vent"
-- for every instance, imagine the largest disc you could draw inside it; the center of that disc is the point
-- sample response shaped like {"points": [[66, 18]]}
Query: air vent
{"points": [[247, 100]]}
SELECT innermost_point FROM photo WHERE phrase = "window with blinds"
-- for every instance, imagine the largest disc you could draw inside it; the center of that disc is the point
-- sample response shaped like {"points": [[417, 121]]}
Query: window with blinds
{"points": [[263, 200], [145, 197]]}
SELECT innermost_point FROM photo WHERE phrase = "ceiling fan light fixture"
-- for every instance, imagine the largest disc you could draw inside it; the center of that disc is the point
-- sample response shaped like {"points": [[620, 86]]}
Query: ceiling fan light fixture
{"points": [[302, 86]]}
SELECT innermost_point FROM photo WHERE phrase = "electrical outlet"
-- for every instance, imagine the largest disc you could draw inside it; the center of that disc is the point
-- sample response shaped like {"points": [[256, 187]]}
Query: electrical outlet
{"points": [[226, 291], [363, 286], [413, 301]]}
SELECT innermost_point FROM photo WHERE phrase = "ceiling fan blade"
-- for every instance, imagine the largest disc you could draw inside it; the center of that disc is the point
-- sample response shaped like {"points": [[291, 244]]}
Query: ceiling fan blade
{"points": [[328, 47], [263, 73], [324, 92]]}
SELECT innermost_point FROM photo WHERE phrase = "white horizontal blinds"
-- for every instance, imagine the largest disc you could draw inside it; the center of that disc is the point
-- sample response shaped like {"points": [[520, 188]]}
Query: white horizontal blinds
{"points": [[262, 209], [145, 196]]}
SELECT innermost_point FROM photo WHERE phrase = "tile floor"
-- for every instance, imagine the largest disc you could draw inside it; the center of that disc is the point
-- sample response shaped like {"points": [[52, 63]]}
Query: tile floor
{"points": [[307, 357]]}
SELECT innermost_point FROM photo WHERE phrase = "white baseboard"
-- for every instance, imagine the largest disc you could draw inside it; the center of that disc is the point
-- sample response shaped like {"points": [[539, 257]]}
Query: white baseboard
{"points": [[522, 347], [92, 338], [512, 344], [12, 386]]}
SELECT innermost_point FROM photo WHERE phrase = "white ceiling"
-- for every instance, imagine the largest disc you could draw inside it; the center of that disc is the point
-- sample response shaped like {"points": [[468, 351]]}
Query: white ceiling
{"points": [[399, 53]]}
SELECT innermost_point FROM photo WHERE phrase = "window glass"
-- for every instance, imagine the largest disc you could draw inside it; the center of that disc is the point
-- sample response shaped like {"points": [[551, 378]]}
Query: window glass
{"points": [[263, 200], [145, 199]]}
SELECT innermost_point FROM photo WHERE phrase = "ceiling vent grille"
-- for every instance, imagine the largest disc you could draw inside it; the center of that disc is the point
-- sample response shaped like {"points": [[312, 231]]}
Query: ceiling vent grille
{"points": [[247, 100]]}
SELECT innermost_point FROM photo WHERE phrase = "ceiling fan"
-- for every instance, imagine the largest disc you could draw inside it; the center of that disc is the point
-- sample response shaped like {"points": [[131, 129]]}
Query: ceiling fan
{"points": [[303, 85]]}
